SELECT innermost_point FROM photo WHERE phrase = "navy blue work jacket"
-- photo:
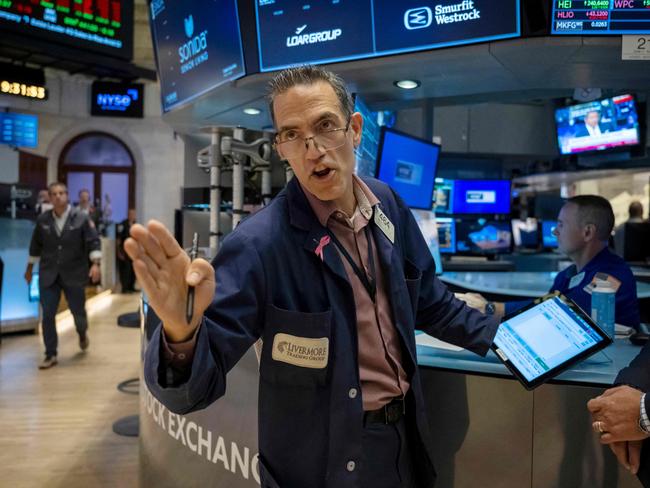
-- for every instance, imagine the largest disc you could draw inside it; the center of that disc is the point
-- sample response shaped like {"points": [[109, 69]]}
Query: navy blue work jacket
{"points": [[271, 281], [572, 284]]}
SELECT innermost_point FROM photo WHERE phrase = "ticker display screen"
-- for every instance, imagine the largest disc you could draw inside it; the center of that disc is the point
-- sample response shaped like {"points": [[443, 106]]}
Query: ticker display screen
{"points": [[594, 17], [198, 47], [104, 26], [292, 32], [18, 129], [366, 152]]}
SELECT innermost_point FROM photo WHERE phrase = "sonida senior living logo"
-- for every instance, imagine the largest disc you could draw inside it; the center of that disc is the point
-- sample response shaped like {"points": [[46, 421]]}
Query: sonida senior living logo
{"points": [[193, 52]]}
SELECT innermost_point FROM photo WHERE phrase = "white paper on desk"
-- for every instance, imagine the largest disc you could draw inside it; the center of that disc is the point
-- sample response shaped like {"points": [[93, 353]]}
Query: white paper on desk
{"points": [[623, 330], [427, 340]]}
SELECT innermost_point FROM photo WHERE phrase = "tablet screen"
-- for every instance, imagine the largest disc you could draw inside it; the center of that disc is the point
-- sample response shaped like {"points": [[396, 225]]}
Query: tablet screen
{"points": [[543, 338]]}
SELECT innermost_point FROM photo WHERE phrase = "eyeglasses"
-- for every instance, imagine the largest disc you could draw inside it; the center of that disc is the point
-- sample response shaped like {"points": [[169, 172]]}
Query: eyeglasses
{"points": [[290, 144]]}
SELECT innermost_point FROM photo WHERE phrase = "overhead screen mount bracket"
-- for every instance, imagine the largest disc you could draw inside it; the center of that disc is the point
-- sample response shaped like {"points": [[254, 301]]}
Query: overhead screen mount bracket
{"points": [[225, 149], [258, 151]]}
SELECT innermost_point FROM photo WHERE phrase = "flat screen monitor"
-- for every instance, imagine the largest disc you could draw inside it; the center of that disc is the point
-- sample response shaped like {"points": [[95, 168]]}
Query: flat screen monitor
{"points": [[549, 241], [18, 129], [599, 125], [427, 223], [446, 234], [408, 165], [600, 18], [110, 99], [101, 26], [525, 233], [366, 153], [198, 47], [443, 196], [481, 197], [483, 237], [299, 32]]}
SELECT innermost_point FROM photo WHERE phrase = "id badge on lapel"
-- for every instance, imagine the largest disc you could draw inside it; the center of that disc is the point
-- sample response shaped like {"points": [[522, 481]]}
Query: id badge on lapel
{"points": [[384, 224]]}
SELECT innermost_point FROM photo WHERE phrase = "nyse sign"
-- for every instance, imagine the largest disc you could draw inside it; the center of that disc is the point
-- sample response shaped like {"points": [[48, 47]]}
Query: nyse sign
{"points": [[117, 99]]}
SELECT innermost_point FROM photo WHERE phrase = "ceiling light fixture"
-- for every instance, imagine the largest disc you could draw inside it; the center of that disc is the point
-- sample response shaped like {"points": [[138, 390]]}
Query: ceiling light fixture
{"points": [[252, 111], [407, 84]]}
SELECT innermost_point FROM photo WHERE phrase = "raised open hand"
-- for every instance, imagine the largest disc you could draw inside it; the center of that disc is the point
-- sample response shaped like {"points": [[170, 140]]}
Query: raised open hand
{"points": [[164, 271]]}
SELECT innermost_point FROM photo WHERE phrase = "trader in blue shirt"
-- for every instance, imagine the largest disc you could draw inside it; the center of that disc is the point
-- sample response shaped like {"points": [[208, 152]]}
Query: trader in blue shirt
{"points": [[584, 225]]}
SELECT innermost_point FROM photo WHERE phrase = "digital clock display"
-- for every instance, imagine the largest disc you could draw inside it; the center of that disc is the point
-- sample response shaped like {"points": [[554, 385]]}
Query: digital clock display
{"points": [[23, 90]]}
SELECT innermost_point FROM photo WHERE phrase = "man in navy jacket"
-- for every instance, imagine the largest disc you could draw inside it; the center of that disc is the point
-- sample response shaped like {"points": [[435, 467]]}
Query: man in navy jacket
{"points": [[584, 226], [334, 276]]}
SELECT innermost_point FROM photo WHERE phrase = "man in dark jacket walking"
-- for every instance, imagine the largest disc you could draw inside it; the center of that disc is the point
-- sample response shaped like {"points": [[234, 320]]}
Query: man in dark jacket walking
{"points": [[63, 241]]}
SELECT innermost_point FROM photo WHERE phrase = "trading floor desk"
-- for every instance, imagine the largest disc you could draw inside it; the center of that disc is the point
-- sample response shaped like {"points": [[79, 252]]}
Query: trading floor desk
{"points": [[485, 426], [487, 430], [513, 284]]}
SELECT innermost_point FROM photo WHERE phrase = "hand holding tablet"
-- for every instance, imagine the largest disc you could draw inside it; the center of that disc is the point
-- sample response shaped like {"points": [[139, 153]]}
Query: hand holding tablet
{"points": [[545, 338]]}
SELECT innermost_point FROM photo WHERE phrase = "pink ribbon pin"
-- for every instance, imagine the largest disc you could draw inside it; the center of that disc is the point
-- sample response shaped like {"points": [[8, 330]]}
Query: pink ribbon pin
{"points": [[324, 241]]}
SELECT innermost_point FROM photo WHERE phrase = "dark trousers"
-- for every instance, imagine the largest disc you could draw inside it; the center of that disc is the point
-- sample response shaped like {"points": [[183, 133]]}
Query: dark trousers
{"points": [[386, 456], [50, 297]]}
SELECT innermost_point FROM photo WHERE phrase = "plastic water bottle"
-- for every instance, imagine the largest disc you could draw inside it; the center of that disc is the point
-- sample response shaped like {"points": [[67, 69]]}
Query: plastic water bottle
{"points": [[603, 306]]}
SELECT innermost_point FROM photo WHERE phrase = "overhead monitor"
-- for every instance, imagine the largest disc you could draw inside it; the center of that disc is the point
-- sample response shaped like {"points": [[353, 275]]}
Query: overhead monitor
{"points": [[408, 165], [481, 197], [18, 129], [366, 153], [101, 26], [117, 99], [549, 241], [443, 196], [292, 32], [426, 221], [595, 126], [597, 17], [525, 233], [198, 47], [483, 237], [446, 234]]}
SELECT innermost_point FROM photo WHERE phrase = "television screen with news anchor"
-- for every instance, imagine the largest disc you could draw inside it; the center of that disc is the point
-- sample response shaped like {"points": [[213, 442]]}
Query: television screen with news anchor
{"points": [[598, 125]]}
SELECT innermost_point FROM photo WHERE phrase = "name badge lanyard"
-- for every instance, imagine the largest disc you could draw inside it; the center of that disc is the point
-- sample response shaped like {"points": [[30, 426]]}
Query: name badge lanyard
{"points": [[368, 282]]}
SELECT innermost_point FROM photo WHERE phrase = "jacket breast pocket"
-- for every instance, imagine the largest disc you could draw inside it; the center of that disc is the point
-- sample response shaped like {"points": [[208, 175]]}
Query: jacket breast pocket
{"points": [[413, 278], [296, 350]]}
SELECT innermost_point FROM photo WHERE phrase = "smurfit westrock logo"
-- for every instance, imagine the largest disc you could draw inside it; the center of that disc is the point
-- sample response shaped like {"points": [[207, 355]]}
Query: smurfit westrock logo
{"points": [[418, 18], [193, 52], [300, 39]]}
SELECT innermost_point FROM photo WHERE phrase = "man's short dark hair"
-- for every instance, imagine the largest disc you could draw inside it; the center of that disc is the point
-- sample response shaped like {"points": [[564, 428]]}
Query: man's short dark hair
{"points": [[84, 190], [595, 210], [308, 75], [635, 209], [55, 184]]}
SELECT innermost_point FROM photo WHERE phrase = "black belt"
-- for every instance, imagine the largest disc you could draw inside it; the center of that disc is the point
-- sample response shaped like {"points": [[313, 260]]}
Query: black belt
{"points": [[390, 413]]}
